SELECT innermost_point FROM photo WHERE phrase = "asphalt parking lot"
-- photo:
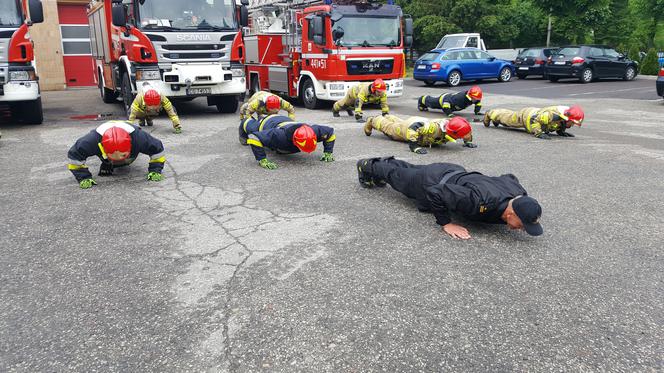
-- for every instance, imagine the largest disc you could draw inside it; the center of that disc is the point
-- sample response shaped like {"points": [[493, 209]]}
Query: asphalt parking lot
{"points": [[226, 267]]}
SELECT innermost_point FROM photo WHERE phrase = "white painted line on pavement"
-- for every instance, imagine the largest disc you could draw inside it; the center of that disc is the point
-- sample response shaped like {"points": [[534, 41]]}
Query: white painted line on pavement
{"points": [[617, 90]]}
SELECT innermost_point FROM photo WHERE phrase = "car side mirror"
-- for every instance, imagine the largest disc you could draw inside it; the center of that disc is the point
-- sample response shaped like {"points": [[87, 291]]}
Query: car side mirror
{"points": [[36, 11], [119, 16], [621, 56], [492, 58]]}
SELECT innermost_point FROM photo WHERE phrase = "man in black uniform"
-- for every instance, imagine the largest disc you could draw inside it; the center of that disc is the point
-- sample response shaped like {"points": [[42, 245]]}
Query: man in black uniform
{"points": [[451, 102], [444, 188]]}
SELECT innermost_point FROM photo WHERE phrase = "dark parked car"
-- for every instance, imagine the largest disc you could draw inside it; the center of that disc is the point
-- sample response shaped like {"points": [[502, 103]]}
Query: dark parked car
{"points": [[532, 61], [590, 62], [660, 82]]}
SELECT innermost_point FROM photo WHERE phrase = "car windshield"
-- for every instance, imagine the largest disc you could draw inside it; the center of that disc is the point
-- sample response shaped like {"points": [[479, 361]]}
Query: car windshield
{"points": [[185, 15], [451, 42], [384, 31], [569, 51], [530, 53], [9, 14], [429, 56]]}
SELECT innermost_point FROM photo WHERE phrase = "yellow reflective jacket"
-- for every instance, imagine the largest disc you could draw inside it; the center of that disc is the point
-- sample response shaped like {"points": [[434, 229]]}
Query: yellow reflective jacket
{"points": [[361, 93], [139, 110], [256, 104]]}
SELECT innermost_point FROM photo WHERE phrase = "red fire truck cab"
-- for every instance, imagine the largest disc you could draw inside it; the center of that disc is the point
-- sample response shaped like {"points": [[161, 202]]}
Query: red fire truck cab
{"points": [[316, 50], [19, 83], [184, 49]]}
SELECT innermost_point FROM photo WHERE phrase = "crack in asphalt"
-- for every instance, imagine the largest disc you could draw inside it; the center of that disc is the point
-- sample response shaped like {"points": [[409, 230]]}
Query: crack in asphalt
{"points": [[245, 232]]}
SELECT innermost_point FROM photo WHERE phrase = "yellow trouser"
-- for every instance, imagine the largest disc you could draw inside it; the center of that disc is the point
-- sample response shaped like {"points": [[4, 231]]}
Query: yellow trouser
{"points": [[396, 128], [345, 103], [513, 119]]}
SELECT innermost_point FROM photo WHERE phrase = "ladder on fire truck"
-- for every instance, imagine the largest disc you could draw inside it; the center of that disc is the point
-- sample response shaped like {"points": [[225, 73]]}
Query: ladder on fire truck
{"points": [[298, 4]]}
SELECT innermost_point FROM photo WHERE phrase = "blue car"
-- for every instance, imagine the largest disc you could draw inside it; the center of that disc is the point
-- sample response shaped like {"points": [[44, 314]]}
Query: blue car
{"points": [[456, 64]]}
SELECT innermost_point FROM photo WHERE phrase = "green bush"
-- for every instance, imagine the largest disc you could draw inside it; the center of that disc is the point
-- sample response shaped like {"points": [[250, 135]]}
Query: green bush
{"points": [[650, 64], [634, 54]]}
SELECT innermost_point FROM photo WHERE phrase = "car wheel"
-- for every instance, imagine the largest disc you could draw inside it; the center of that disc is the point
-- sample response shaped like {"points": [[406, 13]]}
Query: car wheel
{"points": [[630, 73], [308, 95], [505, 74], [586, 75], [521, 76], [127, 95], [430, 83], [454, 78], [553, 79]]}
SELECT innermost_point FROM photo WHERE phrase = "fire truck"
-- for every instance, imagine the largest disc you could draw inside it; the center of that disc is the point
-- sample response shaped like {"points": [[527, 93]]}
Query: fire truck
{"points": [[315, 50], [184, 49], [19, 83]]}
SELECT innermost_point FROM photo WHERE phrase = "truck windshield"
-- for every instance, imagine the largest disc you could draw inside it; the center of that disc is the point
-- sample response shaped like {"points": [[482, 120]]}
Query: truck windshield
{"points": [[9, 13], [448, 42], [384, 31], [172, 15]]}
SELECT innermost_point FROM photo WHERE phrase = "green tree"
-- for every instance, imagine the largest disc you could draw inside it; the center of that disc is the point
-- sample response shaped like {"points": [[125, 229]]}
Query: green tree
{"points": [[429, 30], [650, 65]]}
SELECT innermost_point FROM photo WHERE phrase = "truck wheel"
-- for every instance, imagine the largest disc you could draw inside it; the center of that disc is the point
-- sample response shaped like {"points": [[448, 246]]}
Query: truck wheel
{"points": [[107, 95], [308, 95], [31, 111], [127, 95], [255, 86], [227, 104]]}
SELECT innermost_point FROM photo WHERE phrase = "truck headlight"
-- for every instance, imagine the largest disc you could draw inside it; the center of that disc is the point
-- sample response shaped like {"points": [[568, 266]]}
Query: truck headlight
{"points": [[148, 75], [21, 75], [336, 87], [237, 72]]}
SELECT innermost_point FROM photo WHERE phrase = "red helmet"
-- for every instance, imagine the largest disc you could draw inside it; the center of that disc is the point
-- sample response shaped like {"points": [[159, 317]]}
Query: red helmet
{"points": [[575, 115], [378, 85], [475, 93], [458, 128], [152, 97], [116, 143], [305, 138], [272, 103]]}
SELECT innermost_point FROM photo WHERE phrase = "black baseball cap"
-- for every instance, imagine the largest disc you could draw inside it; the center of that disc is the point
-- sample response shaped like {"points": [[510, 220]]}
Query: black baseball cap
{"points": [[529, 211]]}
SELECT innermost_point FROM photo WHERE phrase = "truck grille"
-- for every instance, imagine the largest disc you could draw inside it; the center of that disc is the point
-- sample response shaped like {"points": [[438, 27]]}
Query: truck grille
{"points": [[369, 66], [186, 56], [192, 47]]}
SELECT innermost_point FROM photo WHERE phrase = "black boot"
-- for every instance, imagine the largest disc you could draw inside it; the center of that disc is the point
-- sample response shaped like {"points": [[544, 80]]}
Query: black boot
{"points": [[365, 173], [350, 112], [420, 106]]}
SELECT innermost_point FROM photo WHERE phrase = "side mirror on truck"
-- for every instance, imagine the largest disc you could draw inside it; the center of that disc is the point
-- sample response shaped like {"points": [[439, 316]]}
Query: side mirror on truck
{"points": [[36, 11], [408, 26], [244, 15], [119, 16], [318, 29]]}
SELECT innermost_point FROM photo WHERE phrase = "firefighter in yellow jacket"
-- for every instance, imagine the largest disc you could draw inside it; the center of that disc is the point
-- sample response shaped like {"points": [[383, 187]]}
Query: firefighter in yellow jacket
{"points": [[364, 93], [148, 105], [538, 122], [420, 132], [265, 103]]}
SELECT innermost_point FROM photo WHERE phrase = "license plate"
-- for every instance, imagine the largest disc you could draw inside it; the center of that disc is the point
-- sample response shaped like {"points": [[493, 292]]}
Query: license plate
{"points": [[523, 68], [199, 91], [559, 63], [421, 67]]}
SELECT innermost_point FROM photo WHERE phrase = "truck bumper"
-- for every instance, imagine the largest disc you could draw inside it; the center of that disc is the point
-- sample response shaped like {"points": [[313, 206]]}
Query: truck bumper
{"points": [[235, 86], [19, 91], [337, 90]]}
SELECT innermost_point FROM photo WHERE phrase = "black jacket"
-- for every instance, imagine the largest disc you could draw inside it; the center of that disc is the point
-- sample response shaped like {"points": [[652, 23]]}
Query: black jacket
{"points": [[472, 195]]}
